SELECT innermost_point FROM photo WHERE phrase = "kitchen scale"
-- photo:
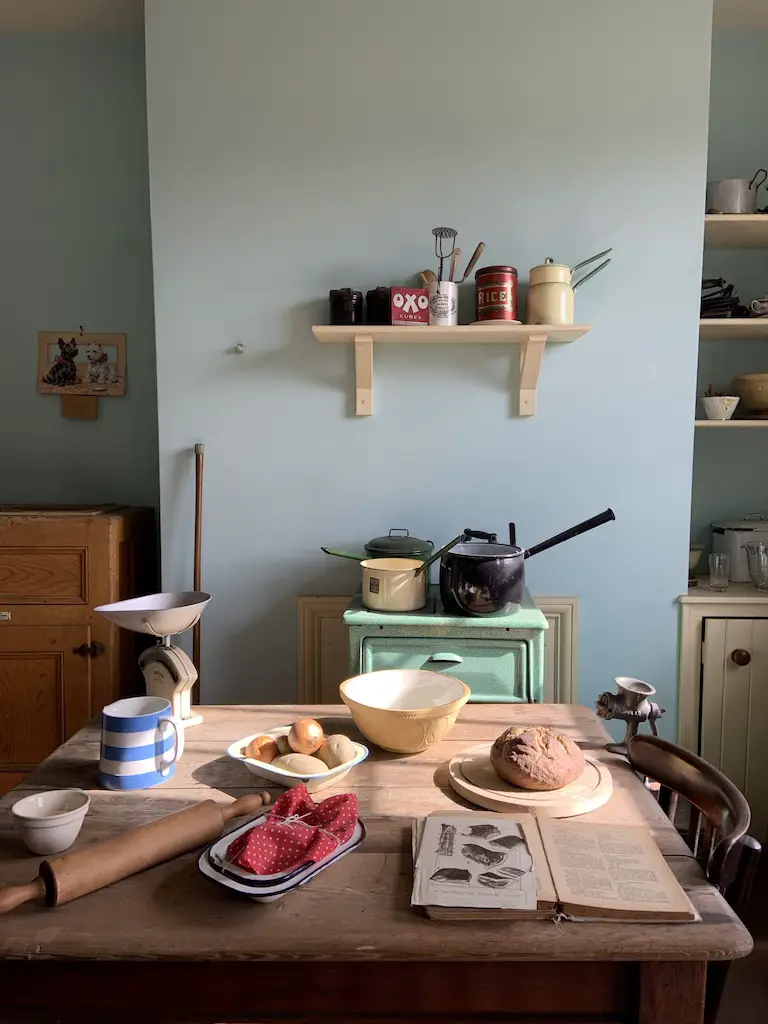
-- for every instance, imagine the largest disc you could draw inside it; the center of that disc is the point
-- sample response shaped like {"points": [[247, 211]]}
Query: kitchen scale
{"points": [[168, 670]]}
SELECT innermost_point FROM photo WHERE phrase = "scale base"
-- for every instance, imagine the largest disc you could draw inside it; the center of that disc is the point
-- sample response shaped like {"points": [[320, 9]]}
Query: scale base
{"points": [[194, 719], [170, 673]]}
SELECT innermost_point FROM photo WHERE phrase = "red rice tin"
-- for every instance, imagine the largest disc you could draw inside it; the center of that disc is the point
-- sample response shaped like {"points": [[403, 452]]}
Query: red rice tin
{"points": [[496, 293]]}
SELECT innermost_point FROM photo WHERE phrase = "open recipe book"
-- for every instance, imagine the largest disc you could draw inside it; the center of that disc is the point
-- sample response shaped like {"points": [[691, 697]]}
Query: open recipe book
{"points": [[518, 866]]}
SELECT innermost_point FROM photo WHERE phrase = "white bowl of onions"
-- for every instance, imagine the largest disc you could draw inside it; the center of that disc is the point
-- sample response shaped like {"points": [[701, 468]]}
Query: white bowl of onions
{"points": [[288, 755]]}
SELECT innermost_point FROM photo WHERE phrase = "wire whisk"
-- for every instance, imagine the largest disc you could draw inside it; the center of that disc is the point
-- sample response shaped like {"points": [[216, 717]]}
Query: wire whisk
{"points": [[441, 234]]}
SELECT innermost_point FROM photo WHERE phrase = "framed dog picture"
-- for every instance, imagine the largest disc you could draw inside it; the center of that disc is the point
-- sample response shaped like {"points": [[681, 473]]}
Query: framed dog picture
{"points": [[81, 364]]}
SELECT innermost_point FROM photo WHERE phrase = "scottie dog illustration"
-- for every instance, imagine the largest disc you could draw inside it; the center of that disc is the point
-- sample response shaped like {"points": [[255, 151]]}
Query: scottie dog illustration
{"points": [[100, 370], [63, 370]]}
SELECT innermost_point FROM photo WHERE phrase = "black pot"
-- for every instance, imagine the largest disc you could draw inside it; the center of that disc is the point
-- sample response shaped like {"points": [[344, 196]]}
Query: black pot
{"points": [[489, 578]]}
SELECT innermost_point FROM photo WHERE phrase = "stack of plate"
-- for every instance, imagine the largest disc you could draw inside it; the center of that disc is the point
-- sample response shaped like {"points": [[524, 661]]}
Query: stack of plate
{"points": [[266, 888]]}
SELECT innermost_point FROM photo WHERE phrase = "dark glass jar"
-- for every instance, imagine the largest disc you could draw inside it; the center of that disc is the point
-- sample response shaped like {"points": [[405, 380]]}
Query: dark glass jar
{"points": [[346, 306], [377, 306]]}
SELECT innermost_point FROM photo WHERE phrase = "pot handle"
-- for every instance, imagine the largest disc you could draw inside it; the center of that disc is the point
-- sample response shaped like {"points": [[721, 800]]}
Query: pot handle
{"points": [[588, 524], [344, 554], [441, 551], [400, 530], [760, 170], [480, 535]]}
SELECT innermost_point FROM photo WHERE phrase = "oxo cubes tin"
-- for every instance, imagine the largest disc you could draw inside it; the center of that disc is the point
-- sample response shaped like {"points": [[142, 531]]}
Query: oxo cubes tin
{"points": [[409, 306], [496, 294]]}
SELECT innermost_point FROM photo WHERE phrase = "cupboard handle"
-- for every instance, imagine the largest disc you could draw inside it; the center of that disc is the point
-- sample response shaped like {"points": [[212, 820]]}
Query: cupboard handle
{"points": [[741, 657], [89, 650], [454, 658]]}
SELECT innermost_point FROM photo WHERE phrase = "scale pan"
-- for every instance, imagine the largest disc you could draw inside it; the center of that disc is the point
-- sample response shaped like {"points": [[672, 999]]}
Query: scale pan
{"points": [[158, 614]]}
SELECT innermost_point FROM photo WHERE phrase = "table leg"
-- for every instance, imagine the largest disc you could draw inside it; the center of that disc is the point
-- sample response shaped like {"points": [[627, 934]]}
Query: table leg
{"points": [[672, 992]]}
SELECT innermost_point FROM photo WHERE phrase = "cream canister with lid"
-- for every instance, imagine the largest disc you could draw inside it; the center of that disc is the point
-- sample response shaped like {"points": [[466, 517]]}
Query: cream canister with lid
{"points": [[550, 295]]}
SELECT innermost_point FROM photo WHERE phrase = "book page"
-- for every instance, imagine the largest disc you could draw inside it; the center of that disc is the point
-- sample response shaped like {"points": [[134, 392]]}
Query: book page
{"points": [[474, 861], [617, 868]]}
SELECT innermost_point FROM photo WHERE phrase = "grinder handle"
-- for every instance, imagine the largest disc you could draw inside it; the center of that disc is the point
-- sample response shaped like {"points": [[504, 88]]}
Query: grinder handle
{"points": [[15, 895]]}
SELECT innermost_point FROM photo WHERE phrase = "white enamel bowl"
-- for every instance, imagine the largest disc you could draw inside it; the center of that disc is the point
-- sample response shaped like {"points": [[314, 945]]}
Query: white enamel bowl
{"points": [[404, 710], [49, 822], [276, 776]]}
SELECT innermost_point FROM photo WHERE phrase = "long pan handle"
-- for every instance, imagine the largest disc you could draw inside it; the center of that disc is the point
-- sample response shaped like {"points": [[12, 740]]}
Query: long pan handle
{"points": [[440, 551], [344, 554], [588, 524]]}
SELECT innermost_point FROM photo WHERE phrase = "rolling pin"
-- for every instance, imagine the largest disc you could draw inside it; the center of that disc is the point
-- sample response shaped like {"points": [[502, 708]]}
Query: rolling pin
{"points": [[76, 874]]}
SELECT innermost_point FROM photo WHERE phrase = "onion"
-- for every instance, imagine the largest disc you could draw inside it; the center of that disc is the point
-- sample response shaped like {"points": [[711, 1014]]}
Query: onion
{"points": [[306, 736]]}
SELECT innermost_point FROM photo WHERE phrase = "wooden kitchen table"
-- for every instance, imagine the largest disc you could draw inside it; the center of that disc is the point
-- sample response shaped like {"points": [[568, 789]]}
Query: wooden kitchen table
{"points": [[169, 945]]}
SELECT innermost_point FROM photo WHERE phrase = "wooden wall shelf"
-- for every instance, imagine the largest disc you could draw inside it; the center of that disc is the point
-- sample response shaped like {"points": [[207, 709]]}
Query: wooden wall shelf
{"points": [[531, 340], [751, 329], [732, 423], [736, 231]]}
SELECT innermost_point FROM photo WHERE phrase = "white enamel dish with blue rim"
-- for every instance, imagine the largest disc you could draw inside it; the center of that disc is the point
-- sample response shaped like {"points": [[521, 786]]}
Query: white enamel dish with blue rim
{"points": [[276, 776], [266, 888]]}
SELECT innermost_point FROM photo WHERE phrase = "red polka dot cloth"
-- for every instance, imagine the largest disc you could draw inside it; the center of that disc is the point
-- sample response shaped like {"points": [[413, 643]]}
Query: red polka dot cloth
{"points": [[297, 831]]}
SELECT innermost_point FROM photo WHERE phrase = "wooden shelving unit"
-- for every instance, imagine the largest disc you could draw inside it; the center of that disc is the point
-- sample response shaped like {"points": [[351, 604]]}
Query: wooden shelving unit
{"points": [[736, 231], [752, 329], [733, 424], [531, 339]]}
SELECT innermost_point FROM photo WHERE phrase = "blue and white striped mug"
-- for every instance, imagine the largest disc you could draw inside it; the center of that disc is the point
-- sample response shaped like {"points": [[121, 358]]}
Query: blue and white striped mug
{"points": [[141, 741]]}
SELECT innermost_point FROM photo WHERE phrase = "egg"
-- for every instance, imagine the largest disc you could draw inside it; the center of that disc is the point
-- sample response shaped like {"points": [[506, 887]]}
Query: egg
{"points": [[306, 736], [300, 764], [336, 750]]}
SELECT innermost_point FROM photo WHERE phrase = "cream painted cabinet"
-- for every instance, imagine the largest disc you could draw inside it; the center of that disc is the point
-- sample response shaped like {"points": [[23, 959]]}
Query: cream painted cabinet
{"points": [[734, 708]]}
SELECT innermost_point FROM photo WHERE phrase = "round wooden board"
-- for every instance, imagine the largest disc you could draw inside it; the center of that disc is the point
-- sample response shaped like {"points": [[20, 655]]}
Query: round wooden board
{"points": [[472, 776]]}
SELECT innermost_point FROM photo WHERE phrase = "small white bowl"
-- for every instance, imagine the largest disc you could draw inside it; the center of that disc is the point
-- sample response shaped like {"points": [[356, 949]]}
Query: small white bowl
{"points": [[49, 822], [721, 407], [276, 776]]}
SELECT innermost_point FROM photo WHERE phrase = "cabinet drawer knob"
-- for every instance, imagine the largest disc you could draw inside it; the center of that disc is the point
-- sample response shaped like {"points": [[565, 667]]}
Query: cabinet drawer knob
{"points": [[741, 657], [455, 659]]}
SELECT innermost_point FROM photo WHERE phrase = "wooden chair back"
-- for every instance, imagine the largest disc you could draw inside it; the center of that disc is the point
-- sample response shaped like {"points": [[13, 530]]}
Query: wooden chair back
{"points": [[719, 818]]}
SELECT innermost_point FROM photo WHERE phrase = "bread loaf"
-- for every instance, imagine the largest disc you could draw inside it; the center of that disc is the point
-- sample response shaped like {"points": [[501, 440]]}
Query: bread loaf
{"points": [[537, 757]]}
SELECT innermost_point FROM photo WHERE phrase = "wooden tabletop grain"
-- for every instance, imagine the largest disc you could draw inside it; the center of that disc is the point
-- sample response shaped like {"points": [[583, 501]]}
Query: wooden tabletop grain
{"points": [[360, 908]]}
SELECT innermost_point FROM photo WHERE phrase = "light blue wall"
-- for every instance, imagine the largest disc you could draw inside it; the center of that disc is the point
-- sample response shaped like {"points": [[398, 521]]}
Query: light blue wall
{"points": [[76, 250], [728, 481], [299, 146]]}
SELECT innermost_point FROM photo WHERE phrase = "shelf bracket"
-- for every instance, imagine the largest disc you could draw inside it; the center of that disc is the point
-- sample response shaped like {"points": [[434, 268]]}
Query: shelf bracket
{"points": [[363, 374], [531, 357]]}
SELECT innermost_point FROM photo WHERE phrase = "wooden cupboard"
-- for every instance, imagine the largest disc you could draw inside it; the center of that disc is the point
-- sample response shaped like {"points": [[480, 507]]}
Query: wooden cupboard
{"points": [[734, 708], [60, 662]]}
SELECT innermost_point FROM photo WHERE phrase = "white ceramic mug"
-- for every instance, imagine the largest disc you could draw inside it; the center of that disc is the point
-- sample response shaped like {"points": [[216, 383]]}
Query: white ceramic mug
{"points": [[141, 741], [443, 304], [760, 306]]}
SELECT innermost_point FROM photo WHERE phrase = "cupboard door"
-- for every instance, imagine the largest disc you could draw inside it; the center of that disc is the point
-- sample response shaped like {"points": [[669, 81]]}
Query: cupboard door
{"points": [[44, 691], [734, 708]]}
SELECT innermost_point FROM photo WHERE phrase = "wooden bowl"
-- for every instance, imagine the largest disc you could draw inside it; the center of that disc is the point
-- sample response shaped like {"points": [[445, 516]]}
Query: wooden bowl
{"points": [[753, 390]]}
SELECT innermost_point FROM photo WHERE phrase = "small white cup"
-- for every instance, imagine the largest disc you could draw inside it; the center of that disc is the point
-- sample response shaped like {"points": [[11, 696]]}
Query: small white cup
{"points": [[759, 306], [443, 304]]}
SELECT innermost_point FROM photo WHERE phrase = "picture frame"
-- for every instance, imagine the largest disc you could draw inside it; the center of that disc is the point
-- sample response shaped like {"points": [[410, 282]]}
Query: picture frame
{"points": [[91, 364]]}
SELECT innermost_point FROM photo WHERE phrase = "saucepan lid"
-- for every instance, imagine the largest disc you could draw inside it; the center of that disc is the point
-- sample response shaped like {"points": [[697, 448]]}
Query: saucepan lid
{"points": [[398, 543]]}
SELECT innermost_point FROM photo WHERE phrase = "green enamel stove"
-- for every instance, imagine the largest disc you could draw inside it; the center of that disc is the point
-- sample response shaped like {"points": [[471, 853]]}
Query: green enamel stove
{"points": [[499, 657]]}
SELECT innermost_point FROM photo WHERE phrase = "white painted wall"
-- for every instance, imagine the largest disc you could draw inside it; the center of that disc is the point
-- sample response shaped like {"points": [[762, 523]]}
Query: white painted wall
{"points": [[299, 146]]}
